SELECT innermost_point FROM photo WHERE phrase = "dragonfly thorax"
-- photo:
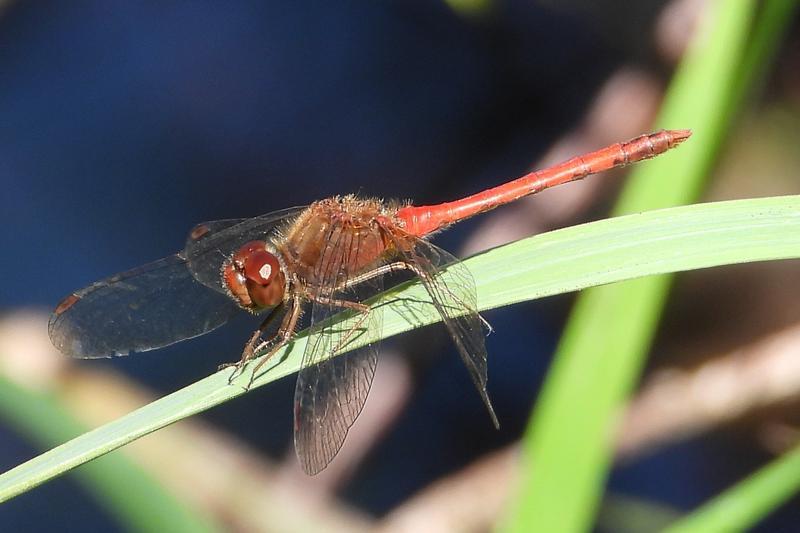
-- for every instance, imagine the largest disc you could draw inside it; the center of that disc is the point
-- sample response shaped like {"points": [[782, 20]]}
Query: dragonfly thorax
{"points": [[337, 239]]}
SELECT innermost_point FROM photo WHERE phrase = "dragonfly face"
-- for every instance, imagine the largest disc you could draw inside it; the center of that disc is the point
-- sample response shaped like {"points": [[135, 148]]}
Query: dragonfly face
{"points": [[254, 277]]}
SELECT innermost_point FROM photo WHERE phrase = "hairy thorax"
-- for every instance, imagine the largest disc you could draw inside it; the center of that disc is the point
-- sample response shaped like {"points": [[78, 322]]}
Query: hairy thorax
{"points": [[339, 238]]}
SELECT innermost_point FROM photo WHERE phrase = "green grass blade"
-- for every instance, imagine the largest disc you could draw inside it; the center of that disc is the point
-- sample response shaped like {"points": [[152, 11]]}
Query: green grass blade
{"points": [[744, 505], [704, 96], [138, 501], [566, 260], [568, 444]]}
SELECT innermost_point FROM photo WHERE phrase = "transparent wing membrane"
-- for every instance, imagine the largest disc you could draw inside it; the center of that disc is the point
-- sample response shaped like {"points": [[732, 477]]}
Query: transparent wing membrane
{"points": [[160, 303], [331, 391], [145, 308], [452, 290]]}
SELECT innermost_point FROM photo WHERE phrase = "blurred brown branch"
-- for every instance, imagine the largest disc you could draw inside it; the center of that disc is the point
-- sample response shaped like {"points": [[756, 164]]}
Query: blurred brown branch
{"points": [[469, 500], [677, 404]]}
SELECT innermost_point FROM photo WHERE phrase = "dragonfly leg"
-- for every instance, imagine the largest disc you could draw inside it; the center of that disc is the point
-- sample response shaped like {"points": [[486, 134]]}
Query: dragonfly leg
{"points": [[422, 275], [358, 307], [397, 266], [249, 348], [374, 273], [281, 337]]}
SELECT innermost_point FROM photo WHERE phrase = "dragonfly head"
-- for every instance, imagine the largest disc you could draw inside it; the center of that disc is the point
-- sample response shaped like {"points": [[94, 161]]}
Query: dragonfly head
{"points": [[254, 277]]}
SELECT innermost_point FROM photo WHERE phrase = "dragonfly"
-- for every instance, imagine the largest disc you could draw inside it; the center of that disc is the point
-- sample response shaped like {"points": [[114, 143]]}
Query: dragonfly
{"points": [[330, 256]]}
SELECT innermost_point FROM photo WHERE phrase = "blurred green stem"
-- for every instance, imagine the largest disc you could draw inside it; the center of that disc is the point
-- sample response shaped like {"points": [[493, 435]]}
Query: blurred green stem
{"points": [[568, 444], [742, 506], [138, 501]]}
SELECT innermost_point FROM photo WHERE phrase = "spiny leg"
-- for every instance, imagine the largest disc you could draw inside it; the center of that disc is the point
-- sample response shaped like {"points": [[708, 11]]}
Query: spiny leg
{"points": [[375, 272], [361, 308], [249, 350], [283, 336], [424, 276], [358, 307], [397, 266]]}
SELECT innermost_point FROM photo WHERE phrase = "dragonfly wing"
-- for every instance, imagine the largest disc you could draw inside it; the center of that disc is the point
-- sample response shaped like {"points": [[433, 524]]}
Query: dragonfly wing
{"points": [[452, 291], [163, 302], [210, 244], [331, 390], [207, 229], [145, 308]]}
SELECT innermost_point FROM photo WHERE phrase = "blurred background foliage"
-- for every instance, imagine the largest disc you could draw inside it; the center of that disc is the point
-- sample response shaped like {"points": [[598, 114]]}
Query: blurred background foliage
{"points": [[125, 124]]}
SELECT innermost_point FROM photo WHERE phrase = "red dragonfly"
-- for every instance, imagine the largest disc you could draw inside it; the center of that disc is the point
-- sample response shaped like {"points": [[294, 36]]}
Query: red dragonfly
{"points": [[331, 255]]}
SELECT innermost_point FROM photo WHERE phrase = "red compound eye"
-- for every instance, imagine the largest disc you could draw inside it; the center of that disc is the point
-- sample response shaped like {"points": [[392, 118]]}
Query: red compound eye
{"points": [[246, 250], [235, 282], [254, 276], [261, 267]]}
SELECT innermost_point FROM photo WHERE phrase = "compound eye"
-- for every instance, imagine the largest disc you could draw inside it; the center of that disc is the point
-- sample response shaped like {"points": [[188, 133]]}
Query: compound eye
{"points": [[246, 250], [254, 278], [261, 267], [237, 284]]}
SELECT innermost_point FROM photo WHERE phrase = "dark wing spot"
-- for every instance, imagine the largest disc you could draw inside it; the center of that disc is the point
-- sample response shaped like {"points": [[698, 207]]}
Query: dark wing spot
{"points": [[66, 303], [199, 231]]}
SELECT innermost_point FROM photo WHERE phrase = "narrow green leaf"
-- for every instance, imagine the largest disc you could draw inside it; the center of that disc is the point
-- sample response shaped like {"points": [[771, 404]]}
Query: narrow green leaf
{"points": [[566, 260]]}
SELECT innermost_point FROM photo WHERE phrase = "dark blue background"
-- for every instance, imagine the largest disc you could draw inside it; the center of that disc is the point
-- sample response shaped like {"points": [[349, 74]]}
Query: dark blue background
{"points": [[123, 124]]}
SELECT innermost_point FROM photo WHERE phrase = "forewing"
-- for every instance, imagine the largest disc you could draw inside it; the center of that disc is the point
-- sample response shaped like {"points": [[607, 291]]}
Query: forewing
{"points": [[452, 290], [160, 303], [210, 244], [145, 308], [331, 391]]}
